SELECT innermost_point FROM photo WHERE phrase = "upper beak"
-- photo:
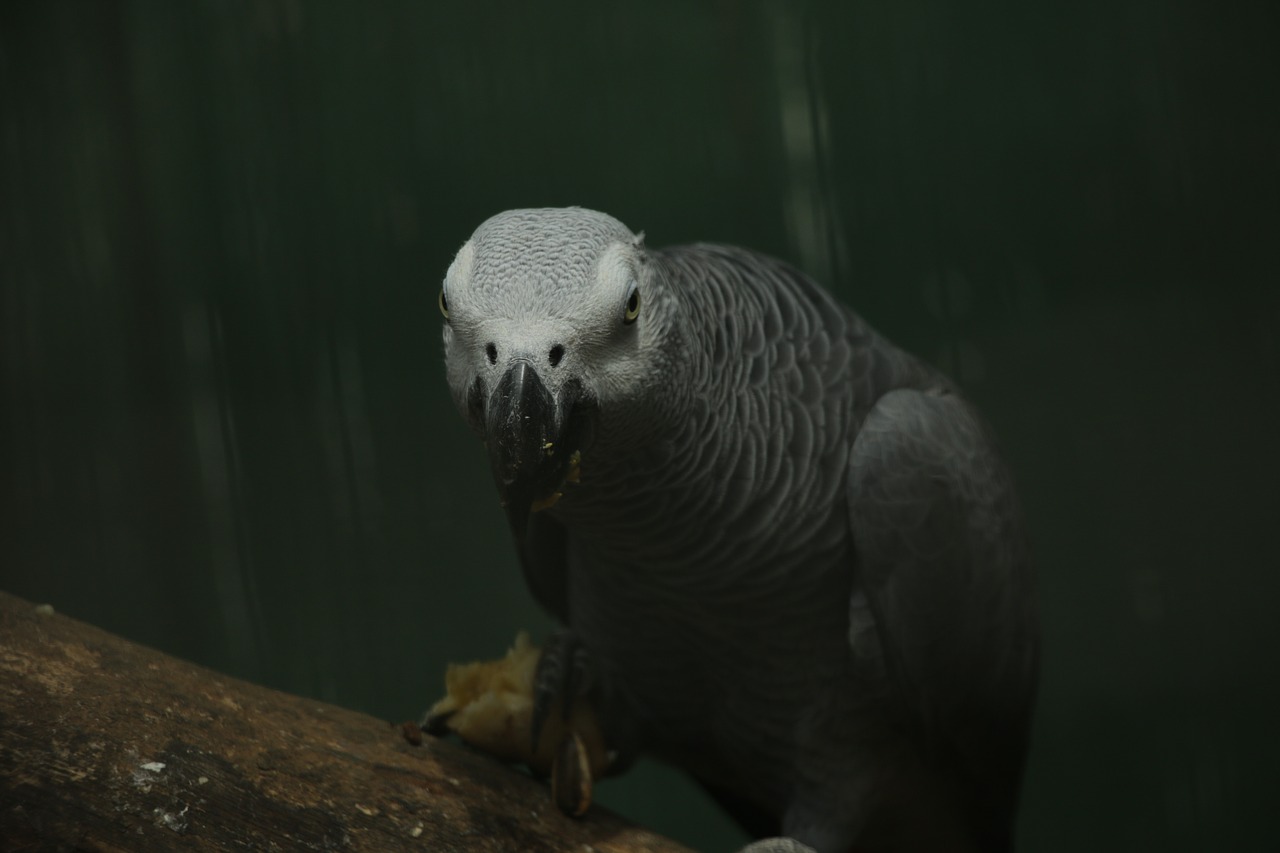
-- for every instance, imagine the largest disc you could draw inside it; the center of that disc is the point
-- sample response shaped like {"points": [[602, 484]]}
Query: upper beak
{"points": [[533, 440]]}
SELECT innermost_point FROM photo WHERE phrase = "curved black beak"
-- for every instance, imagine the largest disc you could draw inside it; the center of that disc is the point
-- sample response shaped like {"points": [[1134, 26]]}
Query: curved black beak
{"points": [[533, 440]]}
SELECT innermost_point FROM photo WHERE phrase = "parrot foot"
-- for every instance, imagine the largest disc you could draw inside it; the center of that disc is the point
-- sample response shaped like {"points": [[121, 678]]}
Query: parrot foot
{"points": [[563, 673]]}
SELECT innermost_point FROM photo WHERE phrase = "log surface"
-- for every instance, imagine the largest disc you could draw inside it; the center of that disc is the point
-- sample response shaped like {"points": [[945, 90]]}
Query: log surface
{"points": [[107, 745]]}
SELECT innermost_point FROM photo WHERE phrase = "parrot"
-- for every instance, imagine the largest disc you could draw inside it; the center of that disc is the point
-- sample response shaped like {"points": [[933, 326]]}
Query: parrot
{"points": [[784, 555]]}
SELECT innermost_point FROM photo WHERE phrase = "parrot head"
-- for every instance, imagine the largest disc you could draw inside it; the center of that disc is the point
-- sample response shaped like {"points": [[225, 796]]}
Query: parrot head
{"points": [[545, 334]]}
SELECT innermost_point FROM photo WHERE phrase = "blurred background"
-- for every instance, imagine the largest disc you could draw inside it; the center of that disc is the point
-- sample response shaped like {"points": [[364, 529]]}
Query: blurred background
{"points": [[224, 428]]}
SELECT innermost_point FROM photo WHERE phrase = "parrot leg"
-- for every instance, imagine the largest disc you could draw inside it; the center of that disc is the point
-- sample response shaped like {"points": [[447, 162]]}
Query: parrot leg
{"points": [[563, 673]]}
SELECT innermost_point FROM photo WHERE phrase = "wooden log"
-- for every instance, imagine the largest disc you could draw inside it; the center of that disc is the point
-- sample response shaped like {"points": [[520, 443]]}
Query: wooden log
{"points": [[106, 745]]}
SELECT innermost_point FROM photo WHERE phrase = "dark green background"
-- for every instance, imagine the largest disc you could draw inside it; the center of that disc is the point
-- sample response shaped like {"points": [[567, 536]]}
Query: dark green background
{"points": [[225, 431]]}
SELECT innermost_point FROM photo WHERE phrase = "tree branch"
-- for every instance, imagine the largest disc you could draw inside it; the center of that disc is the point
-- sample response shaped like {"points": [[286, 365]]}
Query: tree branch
{"points": [[106, 745]]}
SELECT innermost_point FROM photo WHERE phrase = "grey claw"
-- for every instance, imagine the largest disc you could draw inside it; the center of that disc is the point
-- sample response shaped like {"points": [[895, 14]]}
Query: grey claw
{"points": [[571, 777]]}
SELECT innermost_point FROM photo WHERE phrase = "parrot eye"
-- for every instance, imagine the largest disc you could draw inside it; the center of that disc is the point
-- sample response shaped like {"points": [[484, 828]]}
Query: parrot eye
{"points": [[444, 304], [633, 306]]}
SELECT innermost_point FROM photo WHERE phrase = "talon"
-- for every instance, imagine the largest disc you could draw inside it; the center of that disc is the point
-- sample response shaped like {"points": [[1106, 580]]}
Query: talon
{"points": [[436, 724], [562, 675], [571, 777], [578, 681], [538, 718]]}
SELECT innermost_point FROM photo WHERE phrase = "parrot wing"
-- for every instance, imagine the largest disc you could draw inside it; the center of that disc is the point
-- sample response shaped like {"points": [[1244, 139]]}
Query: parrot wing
{"points": [[942, 567]]}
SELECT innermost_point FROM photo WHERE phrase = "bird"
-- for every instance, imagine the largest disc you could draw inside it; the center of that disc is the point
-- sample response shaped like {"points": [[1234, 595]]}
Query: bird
{"points": [[785, 555]]}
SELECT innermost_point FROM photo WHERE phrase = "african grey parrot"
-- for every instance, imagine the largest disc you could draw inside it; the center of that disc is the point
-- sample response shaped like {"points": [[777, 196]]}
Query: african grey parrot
{"points": [[786, 554]]}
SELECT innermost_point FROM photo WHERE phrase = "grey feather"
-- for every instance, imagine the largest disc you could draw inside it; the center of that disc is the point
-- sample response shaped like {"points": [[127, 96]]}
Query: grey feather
{"points": [[794, 557]]}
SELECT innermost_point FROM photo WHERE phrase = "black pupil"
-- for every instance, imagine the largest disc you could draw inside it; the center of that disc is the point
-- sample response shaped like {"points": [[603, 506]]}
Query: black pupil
{"points": [[444, 302], [634, 301]]}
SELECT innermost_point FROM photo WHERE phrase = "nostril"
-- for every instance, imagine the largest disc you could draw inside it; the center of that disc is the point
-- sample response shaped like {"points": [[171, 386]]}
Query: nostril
{"points": [[557, 353], [492, 352]]}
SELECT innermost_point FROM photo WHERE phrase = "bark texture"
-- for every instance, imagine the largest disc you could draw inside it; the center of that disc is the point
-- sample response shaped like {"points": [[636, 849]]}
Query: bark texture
{"points": [[106, 745]]}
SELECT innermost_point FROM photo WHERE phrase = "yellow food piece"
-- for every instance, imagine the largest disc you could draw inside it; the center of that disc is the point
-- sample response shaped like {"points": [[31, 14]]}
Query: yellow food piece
{"points": [[573, 475], [490, 706]]}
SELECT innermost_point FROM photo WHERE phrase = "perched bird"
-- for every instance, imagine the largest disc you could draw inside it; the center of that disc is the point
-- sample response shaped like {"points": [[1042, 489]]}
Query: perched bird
{"points": [[786, 554]]}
